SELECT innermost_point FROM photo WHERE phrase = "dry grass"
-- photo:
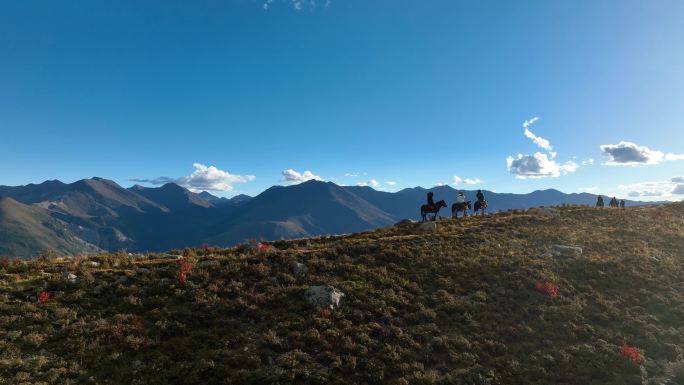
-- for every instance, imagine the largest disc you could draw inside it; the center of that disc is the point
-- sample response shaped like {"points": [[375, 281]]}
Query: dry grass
{"points": [[459, 306]]}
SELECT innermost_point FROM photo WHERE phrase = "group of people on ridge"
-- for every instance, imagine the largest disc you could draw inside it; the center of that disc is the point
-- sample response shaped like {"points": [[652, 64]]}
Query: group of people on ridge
{"points": [[459, 199], [613, 202]]}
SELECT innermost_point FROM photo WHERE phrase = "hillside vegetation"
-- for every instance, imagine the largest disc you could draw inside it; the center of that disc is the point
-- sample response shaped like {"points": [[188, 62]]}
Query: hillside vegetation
{"points": [[478, 301]]}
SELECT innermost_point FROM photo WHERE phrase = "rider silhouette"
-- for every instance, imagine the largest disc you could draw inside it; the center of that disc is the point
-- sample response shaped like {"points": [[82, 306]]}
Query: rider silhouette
{"points": [[430, 202], [460, 198], [480, 196]]}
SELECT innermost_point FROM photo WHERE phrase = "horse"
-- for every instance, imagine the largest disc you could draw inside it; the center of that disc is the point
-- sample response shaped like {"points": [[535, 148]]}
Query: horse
{"points": [[460, 206], [480, 206], [431, 209], [614, 203]]}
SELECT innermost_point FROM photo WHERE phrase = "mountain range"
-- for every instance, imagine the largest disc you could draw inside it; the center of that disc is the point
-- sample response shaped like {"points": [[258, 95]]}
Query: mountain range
{"points": [[98, 214]]}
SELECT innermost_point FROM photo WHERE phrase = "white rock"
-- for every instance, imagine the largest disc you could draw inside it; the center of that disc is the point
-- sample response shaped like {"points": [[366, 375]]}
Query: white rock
{"points": [[299, 268], [428, 227], [210, 263], [323, 297], [71, 277], [563, 251], [92, 263]]}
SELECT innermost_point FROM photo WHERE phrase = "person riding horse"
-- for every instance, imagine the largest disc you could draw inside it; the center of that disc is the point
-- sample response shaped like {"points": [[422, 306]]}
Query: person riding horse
{"points": [[430, 201], [460, 205], [599, 201], [460, 198], [480, 196], [614, 202]]}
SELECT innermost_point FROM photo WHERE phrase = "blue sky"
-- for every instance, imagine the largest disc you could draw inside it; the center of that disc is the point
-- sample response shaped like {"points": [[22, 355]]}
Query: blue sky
{"points": [[228, 95]]}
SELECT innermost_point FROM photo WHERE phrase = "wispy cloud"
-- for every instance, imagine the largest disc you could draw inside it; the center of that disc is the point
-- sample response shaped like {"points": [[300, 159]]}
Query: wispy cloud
{"points": [[539, 164], [372, 183], [538, 140], [457, 180], [296, 4], [659, 189], [291, 176], [391, 183], [204, 178]]}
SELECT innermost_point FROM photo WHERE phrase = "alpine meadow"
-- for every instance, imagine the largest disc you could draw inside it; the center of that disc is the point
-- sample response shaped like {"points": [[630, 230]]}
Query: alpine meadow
{"points": [[400, 192]]}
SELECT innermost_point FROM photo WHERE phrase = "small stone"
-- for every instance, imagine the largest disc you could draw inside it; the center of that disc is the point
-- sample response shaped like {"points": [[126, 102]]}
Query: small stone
{"points": [[325, 296], [563, 251], [428, 227], [71, 277], [299, 268], [210, 263], [93, 264]]}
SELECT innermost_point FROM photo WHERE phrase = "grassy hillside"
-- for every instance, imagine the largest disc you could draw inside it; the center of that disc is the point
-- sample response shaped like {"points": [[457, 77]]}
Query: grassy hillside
{"points": [[476, 302], [25, 229]]}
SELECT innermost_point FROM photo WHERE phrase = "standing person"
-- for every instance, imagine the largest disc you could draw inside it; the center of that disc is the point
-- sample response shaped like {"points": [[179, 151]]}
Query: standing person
{"points": [[430, 201], [460, 198], [480, 196]]}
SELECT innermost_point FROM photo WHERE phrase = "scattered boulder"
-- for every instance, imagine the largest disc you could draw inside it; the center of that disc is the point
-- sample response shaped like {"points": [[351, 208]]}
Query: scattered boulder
{"points": [[299, 268], [93, 264], [563, 251], [210, 263], [70, 277], [428, 227], [171, 256], [121, 280], [325, 296]]}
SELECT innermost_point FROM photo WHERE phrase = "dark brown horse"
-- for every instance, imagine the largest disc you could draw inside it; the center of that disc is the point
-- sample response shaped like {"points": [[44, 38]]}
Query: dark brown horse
{"points": [[460, 206], [431, 209], [480, 206]]}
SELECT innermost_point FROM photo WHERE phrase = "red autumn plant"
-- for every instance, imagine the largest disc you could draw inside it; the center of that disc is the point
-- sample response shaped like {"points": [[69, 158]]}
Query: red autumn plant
{"points": [[137, 322], [4, 261], [549, 288], [632, 353], [44, 296], [205, 246], [183, 270], [263, 247]]}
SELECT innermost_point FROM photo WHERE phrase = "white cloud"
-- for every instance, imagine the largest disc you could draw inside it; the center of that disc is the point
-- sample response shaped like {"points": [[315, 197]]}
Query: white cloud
{"points": [[204, 178], [661, 189], [670, 156], [391, 183], [293, 177], [588, 162], [296, 4], [590, 189], [351, 174], [538, 140], [438, 184], [631, 154], [538, 166], [457, 180], [372, 183], [528, 123]]}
